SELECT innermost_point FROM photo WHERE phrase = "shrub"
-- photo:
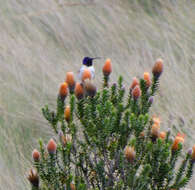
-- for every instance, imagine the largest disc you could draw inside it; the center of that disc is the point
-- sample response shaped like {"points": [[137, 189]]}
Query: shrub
{"points": [[105, 140]]}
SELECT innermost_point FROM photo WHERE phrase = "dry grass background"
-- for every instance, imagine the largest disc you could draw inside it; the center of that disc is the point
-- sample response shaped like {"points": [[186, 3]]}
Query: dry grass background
{"points": [[40, 40]]}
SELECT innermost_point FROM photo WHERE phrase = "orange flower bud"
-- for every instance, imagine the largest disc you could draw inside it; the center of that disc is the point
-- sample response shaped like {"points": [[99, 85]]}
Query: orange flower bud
{"points": [[67, 113], [136, 92], [86, 74], [155, 130], [158, 68], [70, 81], [90, 88], [70, 78], [147, 79], [193, 153], [130, 153], [72, 186], [63, 90], [33, 178], [134, 83], [51, 146], [36, 155], [178, 139], [79, 91], [162, 135], [142, 134], [156, 120], [107, 68]]}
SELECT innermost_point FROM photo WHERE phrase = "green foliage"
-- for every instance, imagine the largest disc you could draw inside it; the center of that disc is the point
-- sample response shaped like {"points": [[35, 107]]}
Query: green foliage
{"points": [[108, 143]]}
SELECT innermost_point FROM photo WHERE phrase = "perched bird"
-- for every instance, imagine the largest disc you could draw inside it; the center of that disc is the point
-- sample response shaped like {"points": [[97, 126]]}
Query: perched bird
{"points": [[87, 65]]}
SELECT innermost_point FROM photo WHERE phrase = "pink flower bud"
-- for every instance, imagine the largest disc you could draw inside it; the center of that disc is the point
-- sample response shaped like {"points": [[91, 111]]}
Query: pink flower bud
{"points": [[90, 88], [79, 91], [51, 146], [147, 79], [36, 155], [63, 91], [158, 68], [136, 92], [134, 83]]}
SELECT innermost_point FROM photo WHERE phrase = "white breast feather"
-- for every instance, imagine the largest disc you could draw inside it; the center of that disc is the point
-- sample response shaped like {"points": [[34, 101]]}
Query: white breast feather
{"points": [[91, 69]]}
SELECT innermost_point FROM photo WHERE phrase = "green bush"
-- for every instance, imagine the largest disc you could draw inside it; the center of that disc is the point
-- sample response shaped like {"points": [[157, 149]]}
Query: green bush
{"points": [[107, 140]]}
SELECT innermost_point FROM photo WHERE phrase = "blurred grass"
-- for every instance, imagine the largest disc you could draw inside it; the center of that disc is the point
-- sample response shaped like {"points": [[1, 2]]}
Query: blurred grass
{"points": [[41, 40]]}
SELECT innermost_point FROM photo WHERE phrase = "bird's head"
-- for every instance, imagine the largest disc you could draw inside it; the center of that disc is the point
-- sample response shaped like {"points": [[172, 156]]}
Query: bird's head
{"points": [[88, 61]]}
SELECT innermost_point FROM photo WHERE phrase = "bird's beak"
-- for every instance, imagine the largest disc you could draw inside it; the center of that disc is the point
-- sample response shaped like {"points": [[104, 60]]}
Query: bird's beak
{"points": [[96, 58]]}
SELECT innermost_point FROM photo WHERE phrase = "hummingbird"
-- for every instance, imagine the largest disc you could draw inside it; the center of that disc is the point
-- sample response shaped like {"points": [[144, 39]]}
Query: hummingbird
{"points": [[88, 64]]}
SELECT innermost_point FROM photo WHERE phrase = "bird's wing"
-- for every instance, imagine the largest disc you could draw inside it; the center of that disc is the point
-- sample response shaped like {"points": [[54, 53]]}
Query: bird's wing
{"points": [[80, 72]]}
